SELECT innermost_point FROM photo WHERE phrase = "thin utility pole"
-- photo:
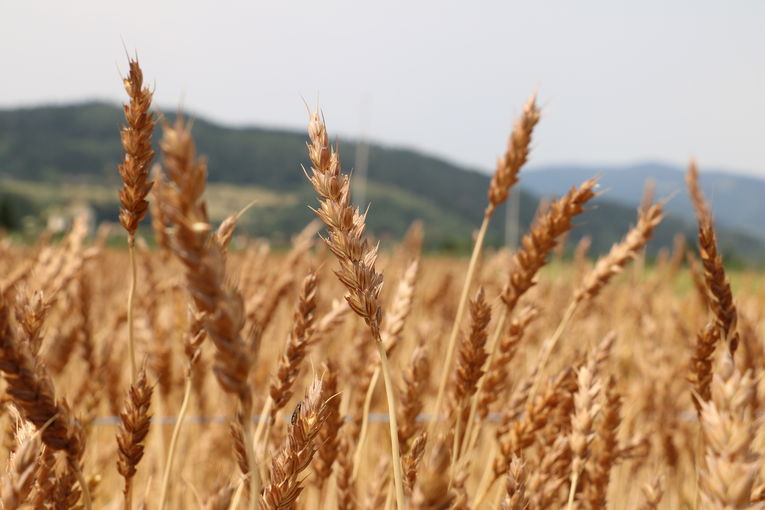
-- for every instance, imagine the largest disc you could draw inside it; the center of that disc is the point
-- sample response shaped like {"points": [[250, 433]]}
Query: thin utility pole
{"points": [[512, 218]]}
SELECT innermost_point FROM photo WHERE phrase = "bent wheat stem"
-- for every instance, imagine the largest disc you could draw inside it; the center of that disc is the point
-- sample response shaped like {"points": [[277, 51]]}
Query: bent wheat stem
{"points": [[87, 502], [174, 443], [365, 422], [549, 346], [263, 418]]}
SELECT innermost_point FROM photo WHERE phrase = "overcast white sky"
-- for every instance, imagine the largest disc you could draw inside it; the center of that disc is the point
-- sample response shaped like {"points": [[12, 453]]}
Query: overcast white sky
{"points": [[620, 81]]}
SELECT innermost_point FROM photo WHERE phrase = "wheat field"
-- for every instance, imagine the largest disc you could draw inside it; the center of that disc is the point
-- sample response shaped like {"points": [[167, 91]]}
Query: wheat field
{"points": [[202, 372]]}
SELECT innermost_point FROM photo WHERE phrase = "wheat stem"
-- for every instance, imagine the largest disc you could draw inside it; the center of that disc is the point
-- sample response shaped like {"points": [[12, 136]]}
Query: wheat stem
{"points": [[549, 346], [261, 435], [389, 499], [398, 478], [698, 460], [131, 299], [237, 496], [259, 449], [254, 475], [487, 481], [263, 418], [161, 436], [456, 444], [365, 422], [174, 443], [128, 495], [462, 306], [87, 502], [572, 490]]}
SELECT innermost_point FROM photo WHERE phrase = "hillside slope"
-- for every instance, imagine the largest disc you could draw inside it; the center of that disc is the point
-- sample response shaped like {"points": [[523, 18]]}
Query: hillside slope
{"points": [[69, 147]]}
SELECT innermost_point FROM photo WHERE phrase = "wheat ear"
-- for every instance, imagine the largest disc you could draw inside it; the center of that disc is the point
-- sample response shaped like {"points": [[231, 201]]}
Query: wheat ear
{"points": [[32, 391], [516, 498], [432, 488], [134, 171], [133, 428], [357, 271], [328, 435], [719, 290], [701, 365], [192, 242], [469, 368], [22, 465], [412, 460], [298, 343], [297, 452], [415, 380], [344, 483], [605, 447], [494, 383], [586, 409], [652, 493], [729, 428]]}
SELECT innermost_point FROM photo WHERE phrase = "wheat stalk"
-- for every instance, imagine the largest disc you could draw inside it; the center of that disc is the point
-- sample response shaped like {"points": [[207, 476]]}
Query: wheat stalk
{"points": [[731, 462], [412, 460], [134, 172], [586, 410], [505, 176], [604, 448], [134, 426], [328, 439], [346, 495], [469, 368], [516, 498], [536, 246], [415, 379], [391, 332], [494, 383], [719, 291], [192, 243], [701, 365], [22, 466], [297, 345], [296, 454], [432, 488], [357, 260]]}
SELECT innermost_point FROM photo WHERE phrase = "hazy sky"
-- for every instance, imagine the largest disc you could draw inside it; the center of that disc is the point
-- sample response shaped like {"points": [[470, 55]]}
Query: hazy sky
{"points": [[620, 81]]}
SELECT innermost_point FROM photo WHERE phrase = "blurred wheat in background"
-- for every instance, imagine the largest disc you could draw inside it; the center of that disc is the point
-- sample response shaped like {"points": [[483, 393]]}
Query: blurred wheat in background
{"points": [[205, 370]]}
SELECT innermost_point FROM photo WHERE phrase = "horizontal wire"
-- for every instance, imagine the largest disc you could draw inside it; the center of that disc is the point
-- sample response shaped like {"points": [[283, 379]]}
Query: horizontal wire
{"points": [[205, 420]]}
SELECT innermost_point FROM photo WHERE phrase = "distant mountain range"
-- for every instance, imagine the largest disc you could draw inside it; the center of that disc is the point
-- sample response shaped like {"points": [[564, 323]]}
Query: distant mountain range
{"points": [[738, 201], [76, 147]]}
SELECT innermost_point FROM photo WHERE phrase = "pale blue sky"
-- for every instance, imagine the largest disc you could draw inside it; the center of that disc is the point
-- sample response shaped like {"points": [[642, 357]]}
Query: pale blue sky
{"points": [[619, 81]]}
